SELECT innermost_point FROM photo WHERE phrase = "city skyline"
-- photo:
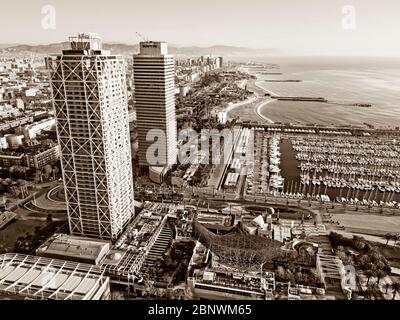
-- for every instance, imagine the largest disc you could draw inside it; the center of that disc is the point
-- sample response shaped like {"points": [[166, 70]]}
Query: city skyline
{"points": [[204, 173], [314, 28]]}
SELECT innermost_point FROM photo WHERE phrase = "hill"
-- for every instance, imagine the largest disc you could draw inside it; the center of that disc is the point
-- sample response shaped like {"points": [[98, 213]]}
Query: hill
{"points": [[129, 50]]}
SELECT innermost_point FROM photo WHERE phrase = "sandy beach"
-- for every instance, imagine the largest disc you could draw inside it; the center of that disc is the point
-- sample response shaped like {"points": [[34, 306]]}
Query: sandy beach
{"points": [[251, 109]]}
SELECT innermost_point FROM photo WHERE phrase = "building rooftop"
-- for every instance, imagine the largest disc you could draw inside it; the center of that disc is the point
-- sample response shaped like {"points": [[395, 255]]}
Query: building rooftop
{"points": [[74, 247], [86, 41], [122, 263], [153, 48], [43, 278], [242, 281]]}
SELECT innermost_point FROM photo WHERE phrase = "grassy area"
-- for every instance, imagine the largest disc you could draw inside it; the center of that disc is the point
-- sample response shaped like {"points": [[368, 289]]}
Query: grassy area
{"points": [[16, 229], [25, 236]]}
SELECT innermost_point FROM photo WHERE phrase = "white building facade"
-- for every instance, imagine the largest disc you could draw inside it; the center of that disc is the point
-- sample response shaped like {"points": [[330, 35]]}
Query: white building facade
{"points": [[154, 80], [89, 96]]}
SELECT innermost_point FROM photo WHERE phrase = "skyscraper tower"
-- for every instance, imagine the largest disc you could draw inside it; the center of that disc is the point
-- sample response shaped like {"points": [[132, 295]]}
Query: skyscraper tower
{"points": [[154, 80], [89, 97]]}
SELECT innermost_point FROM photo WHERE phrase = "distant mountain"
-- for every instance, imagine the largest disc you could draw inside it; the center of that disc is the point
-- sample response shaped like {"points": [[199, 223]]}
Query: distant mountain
{"points": [[6, 45], [226, 51], [36, 49], [129, 50]]}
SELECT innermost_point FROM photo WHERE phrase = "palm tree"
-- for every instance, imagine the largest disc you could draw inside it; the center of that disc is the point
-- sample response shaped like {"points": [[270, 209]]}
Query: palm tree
{"points": [[49, 218], [395, 289], [371, 291], [380, 274], [396, 237], [388, 237], [369, 274]]}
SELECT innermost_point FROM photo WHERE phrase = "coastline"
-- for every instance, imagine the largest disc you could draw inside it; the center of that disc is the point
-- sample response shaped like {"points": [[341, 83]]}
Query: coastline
{"points": [[349, 88], [260, 107], [257, 101], [233, 106]]}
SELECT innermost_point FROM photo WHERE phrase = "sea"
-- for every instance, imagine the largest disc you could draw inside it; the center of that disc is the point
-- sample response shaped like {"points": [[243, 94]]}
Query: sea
{"points": [[343, 81]]}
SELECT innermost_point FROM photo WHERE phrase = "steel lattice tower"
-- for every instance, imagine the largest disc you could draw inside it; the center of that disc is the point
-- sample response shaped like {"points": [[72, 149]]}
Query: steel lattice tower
{"points": [[89, 97]]}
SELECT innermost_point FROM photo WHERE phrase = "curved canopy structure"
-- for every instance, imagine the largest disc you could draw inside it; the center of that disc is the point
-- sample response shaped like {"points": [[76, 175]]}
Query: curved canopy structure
{"points": [[34, 277], [239, 249]]}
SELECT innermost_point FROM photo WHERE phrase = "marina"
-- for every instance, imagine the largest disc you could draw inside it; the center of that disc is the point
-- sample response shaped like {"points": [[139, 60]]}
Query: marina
{"points": [[347, 170], [326, 166], [266, 172]]}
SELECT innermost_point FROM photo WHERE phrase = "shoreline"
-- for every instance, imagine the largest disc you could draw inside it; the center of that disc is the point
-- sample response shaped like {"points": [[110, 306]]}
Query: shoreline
{"points": [[233, 106], [258, 99], [332, 112], [263, 104], [259, 108]]}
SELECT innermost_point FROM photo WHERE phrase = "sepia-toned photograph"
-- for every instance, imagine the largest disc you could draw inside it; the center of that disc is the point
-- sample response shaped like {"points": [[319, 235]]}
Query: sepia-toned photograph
{"points": [[200, 158]]}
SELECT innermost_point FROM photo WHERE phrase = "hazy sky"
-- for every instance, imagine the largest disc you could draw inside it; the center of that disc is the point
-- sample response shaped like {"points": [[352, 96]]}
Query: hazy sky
{"points": [[298, 26]]}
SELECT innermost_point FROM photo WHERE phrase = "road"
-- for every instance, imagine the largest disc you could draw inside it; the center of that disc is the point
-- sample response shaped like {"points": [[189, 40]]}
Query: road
{"points": [[316, 209]]}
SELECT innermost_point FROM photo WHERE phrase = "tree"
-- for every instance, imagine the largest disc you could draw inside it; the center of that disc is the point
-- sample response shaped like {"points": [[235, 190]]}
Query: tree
{"points": [[39, 176], [15, 191], [336, 239], [291, 277], [388, 237], [160, 293], [47, 170], [315, 275], [359, 243], [299, 277], [340, 248], [363, 261], [396, 237], [342, 255], [380, 274], [37, 230], [49, 218], [381, 263], [369, 274], [371, 291], [56, 170], [395, 289], [281, 273]]}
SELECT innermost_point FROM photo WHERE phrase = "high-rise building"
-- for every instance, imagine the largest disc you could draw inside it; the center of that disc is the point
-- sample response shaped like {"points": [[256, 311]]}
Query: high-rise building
{"points": [[154, 80], [89, 97]]}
